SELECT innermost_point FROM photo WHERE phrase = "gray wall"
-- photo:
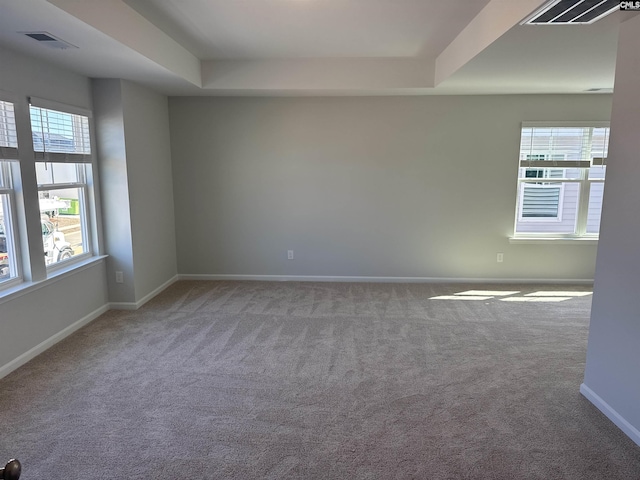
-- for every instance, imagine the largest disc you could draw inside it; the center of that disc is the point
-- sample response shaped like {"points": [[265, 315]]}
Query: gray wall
{"points": [[133, 149], [135, 166], [109, 120], [394, 187], [146, 116], [612, 374], [55, 304]]}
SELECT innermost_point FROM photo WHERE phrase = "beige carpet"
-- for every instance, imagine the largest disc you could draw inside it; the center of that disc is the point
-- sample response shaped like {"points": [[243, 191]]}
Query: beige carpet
{"points": [[248, 380]]}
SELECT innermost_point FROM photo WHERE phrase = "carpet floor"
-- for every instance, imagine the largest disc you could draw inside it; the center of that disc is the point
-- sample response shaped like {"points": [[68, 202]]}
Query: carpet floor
{"points": [[252, 380]]}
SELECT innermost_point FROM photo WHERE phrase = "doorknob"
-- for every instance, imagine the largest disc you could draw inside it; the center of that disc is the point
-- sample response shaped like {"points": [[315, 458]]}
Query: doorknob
{"points": [[11, 470]]}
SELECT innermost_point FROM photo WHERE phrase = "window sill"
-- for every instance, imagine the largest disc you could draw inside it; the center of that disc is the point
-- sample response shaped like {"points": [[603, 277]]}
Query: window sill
{"points": [[25, 288], [552, 241]]}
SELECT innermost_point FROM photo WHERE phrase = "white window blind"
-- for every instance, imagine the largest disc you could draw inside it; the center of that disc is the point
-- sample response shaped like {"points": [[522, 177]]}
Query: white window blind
{"points": [[8, 137], [565, 147], [60, 137]]}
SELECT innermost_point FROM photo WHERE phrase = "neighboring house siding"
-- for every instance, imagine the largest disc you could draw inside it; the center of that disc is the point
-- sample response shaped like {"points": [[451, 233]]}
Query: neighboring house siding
{"points": [[568, 212], [568, 215], [595, 207]]}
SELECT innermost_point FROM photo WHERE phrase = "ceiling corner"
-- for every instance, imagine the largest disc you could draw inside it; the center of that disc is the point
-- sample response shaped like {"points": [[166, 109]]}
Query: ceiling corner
{"points": [[122, 23], [493, 21]]}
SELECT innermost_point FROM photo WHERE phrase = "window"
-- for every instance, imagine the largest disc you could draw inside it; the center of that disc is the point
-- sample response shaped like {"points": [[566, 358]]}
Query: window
{"points": [[8, 151], [62, 160], [561, 180], [62, 148], [60, 136]]}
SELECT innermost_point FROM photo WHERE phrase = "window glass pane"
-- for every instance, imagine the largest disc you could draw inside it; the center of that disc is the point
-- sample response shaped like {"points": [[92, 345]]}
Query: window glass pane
{"points": [[541, 201], [7, 254], [4, 177], [62, 210], [595, 207], [555, 143], [600, 143], [597, 172], [8, 136], [59, 132], [62, 224], [548, 207], [55, 173]]}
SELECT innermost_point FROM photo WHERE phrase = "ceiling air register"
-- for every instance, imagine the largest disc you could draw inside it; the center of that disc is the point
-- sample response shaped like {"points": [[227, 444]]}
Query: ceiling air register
{"points": [[572, 12]]}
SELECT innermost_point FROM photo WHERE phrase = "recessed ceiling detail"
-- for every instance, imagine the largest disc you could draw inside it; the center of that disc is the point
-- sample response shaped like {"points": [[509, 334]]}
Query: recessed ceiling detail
{"points": [[573, 12], [332, 47]]}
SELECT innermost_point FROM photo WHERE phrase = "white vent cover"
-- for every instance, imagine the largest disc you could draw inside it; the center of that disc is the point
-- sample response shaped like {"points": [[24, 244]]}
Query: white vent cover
{"points": [[572, 12], [45, 38]]}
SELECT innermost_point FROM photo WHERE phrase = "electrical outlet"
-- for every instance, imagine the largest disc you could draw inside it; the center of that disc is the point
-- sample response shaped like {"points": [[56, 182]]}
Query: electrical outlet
{"points": [[500, 257], [289, 254], [119, 277]]}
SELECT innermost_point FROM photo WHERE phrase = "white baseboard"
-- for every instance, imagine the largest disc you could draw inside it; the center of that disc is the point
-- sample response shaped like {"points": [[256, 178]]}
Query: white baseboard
{"points": [[322, 278], [49, 342], [632, 432], [123, 306], [38, 349], [145, 299]]}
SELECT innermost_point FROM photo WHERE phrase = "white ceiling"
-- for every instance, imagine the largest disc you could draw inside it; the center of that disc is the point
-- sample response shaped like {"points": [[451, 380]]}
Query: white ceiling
{"points": [[252, 29], [318, 47]]}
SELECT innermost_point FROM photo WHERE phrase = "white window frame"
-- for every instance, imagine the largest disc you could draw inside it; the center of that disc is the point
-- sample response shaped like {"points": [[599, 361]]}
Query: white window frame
{"points": [[580, 230], [9, 223], [9, 154], [83, 161], [84, 222], [30, 268]]}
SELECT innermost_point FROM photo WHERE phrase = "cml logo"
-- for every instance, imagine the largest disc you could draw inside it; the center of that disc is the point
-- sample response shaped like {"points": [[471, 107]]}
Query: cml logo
{"points": [[630, 6]]}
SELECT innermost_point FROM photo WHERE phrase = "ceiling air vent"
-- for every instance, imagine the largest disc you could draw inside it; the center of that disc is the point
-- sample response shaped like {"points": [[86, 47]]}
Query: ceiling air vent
{"points": [[600, 90], [572, 12], [49, 40]]}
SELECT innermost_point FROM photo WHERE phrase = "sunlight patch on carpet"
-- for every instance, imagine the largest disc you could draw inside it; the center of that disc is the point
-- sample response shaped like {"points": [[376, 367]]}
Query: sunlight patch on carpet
{"points": [[460, 297], [535, 299], [493, 293], [557, 294]]}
